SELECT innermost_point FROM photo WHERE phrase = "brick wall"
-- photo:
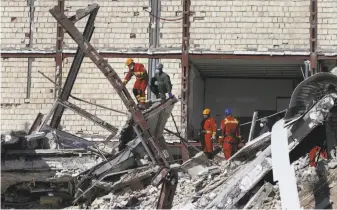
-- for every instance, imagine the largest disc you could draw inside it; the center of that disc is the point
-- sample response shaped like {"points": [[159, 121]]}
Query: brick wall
{"points": [[327, 25], [119, 24], [250, 25], [15, 113], [90, 85], [171, 23], [215, 25], [44, 25], [14, 23]]}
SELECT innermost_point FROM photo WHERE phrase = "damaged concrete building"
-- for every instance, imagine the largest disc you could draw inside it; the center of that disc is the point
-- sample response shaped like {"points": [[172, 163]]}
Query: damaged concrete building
{"points": [[91, 146]]}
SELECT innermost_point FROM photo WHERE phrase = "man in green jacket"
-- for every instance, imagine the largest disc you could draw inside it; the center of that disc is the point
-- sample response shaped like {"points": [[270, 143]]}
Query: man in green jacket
{"points": [[161, 83]]}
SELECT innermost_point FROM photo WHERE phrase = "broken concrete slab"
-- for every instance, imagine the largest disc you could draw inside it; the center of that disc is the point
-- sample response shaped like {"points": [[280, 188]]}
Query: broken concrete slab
{"points": [[259, 197], [242, 181], [133, 178], [283, 172], [252, 147], [43, 165], [9, 139], [187, 205], [332, 164], [196, 164]]}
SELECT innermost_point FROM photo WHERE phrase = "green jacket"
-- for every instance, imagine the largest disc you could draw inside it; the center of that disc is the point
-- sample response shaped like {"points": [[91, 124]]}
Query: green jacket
{"points": [[164, 81]]}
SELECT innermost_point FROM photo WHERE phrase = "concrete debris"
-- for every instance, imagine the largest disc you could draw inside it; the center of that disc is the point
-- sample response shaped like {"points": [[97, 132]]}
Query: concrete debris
{"points": [[316, 186], [332, 164], [187, 190], [9, 139], [196, 164], [260, 196], [224, 185]]}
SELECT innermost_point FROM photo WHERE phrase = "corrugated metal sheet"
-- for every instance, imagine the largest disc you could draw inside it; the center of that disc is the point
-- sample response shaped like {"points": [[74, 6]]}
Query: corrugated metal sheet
{"points": [[247, 68]]}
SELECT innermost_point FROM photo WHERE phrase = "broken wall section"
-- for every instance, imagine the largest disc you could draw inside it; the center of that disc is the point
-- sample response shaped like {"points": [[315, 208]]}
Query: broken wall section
{"points": [[91, 85]]}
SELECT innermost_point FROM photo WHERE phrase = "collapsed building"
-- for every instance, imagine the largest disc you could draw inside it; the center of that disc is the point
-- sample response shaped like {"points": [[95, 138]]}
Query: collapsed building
{"points": [[50, 166]]}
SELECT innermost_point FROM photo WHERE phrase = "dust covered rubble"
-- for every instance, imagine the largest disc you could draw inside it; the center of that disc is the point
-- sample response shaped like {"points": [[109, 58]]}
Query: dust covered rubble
{"points": [[308, 180], [197, 191], [191, 193]]}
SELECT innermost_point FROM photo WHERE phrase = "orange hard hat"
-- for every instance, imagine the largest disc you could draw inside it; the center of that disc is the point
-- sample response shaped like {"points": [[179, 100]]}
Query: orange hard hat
{"points": [[128, 61], [206, 111]]}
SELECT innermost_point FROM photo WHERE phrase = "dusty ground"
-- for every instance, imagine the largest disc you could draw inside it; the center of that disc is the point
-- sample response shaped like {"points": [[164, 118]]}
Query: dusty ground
{"points": [[325, 188]]}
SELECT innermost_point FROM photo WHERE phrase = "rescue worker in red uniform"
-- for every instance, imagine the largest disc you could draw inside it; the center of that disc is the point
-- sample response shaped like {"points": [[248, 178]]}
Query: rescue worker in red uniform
{"points": [[141, 75], [316, 153], [208, 133], [230, 134]]}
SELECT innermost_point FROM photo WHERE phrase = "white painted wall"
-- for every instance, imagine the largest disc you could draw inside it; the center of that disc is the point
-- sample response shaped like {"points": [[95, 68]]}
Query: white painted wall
{"points": [[244, 95]]}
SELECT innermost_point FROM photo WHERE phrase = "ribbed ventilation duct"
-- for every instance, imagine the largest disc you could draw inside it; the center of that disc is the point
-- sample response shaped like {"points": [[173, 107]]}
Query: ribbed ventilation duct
{"points": [[309, 91]]}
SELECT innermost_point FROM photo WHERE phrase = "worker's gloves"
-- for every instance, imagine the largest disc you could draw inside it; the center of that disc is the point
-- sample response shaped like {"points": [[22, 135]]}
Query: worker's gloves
{"points": [[155, 83], [170, 95], [213, 138], [125, 82]]}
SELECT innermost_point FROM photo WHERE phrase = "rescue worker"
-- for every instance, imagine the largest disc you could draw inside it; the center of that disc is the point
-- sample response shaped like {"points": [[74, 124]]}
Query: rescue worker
{"points": [[316, 153], [141, 75], [161, 83], [230, 134], [264, 126], [208, 133]]}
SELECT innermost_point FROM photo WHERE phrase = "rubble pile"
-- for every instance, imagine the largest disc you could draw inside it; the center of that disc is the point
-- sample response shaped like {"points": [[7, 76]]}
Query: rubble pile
{"points": [[191, 192], [200, 183], [315, 185]]}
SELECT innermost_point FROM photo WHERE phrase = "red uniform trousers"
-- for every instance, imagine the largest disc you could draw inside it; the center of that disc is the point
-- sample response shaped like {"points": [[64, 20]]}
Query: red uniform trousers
{"points": [[313, 155], [139, 90], [230, 147], [230, 130], [208, 143]]}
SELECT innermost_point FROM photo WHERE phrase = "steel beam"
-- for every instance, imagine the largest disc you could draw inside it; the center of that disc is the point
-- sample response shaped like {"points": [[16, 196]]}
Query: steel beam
{"points": [[249, 57], [52, 54], [168, 55], [82, 13], [36, 123], [89, 116], [74, 69], [30, 45], [313, 36], [185, 71], [154, 39], [115, 81], [58, 55]]}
